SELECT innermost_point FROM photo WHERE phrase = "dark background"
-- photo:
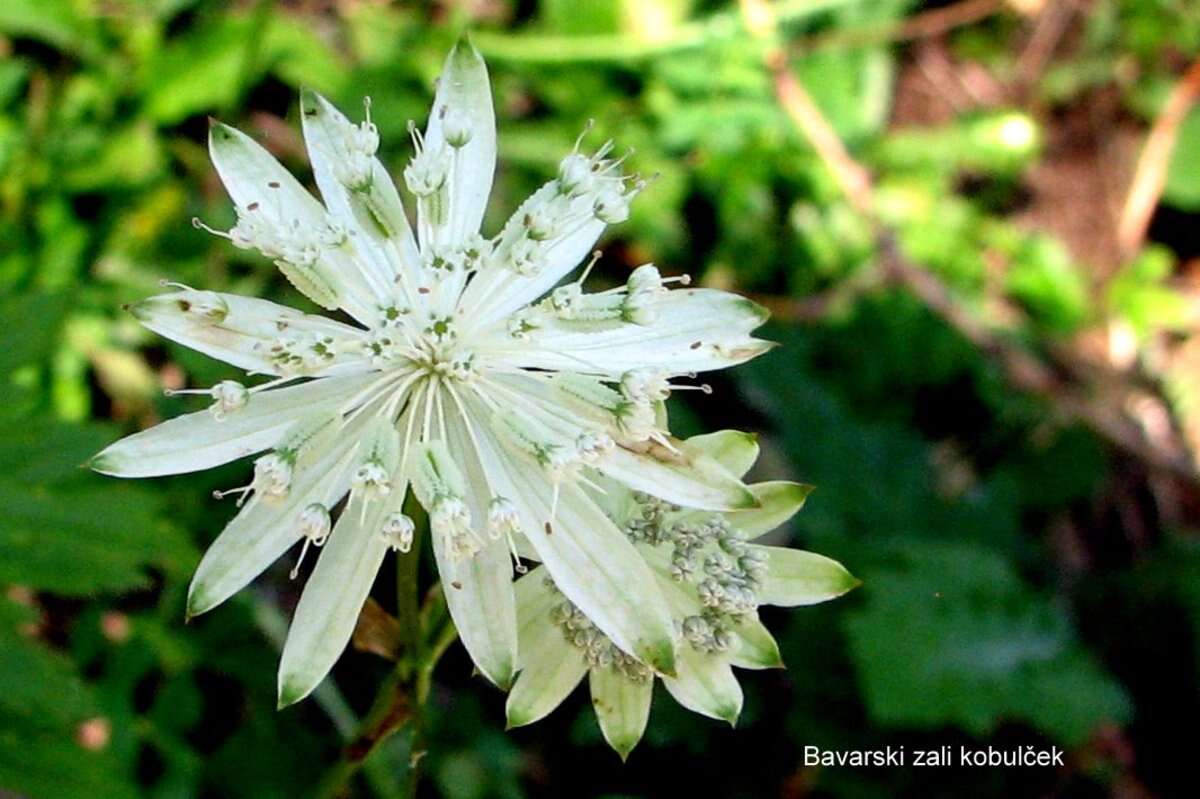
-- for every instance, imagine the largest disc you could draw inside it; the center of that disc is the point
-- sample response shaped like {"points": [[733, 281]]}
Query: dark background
{"points": [[989, 369]]}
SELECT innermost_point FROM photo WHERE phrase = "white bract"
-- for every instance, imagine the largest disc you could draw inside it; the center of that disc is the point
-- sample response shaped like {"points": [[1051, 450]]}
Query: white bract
{"points": [[475, 372], [714, 579]]}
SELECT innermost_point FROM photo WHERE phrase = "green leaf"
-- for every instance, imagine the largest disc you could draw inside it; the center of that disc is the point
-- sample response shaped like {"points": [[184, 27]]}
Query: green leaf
{"points": [[950, 635], [39, 318], [205, 69], [68, 531], [53, 22], [42, 706]]}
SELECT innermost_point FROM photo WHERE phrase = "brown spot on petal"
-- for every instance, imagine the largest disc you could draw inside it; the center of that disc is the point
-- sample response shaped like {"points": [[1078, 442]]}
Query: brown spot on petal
{"points": [[252, 207], [695, 345], [273, 184], [456, 584], [549, 529]]}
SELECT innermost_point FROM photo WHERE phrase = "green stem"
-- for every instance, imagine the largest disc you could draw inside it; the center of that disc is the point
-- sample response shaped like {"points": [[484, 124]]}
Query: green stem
{"points": [[389, 711], [401, 698], [536, 49], [408, 611]]}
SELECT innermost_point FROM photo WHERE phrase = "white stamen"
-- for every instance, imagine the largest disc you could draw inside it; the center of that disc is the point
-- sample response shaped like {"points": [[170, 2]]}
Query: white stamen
{"points": [[314, 526], [398, 531]]}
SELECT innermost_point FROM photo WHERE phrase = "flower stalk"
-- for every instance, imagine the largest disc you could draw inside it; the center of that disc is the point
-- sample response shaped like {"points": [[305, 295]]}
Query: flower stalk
{"points": [[425, 634]]}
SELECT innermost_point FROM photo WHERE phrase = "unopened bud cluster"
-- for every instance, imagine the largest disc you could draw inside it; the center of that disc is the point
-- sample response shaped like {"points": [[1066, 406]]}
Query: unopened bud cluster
{"points": [[707, 553], [598, 651]]}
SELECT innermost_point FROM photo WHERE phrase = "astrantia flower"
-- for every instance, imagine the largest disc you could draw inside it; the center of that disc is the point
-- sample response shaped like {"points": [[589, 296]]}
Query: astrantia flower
{"points": [[476, 374], [714, 579]]}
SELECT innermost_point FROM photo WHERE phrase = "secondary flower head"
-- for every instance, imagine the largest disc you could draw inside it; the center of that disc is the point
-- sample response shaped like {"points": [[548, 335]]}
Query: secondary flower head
{"points": [[714, 579], [476, 373]]}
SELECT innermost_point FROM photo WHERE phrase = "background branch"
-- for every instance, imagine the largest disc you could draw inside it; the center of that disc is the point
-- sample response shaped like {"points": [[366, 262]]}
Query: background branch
{"points": [[1151, 174], [1023, 369]]}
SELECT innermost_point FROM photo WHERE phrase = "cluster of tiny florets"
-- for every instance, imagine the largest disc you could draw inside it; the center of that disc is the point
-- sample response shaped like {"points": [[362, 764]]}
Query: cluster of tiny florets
{"points": [[598, 651], [708, 554]]}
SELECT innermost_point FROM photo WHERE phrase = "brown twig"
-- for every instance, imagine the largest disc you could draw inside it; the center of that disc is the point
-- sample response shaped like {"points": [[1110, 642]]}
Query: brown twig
{"points": [[1052, 24], [925, 25], [1023, 370], [1150, 176]]}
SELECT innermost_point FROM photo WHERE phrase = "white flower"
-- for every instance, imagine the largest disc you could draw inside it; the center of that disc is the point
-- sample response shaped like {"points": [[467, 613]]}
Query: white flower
{"points": [[714, 579], [461, 378]]}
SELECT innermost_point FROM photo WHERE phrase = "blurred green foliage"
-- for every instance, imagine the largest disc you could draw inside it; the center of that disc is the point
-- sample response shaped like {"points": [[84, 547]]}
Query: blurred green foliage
{"points": [[1005, 552]]}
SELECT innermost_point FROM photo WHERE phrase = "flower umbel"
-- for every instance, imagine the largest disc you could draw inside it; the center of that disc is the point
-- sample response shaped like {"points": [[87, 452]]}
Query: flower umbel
{"points": [[714, 579], [475, 371]]}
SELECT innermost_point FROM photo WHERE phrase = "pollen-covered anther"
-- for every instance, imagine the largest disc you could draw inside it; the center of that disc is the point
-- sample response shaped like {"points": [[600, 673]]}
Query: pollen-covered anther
{"points": [[398, 532]]}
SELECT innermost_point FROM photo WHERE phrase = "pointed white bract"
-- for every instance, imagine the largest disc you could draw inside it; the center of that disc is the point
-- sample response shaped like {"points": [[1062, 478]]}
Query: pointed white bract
{"points": [[713, 581], [478, 377]]}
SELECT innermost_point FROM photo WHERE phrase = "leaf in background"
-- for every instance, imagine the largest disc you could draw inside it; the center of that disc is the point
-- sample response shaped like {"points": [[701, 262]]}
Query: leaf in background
{"points": [[299, 56], [43, 708], [1048, 283], [67, 530], [197, 71], [875, 478], [53, 22], [80, 539], [1142, 297], [39, 318], [852, 88], [125, 159], [949, 634], [204, 70]]}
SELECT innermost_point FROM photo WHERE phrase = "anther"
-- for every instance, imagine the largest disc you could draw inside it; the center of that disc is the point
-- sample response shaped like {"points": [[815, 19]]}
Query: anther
{"points": [[398, 531]]}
